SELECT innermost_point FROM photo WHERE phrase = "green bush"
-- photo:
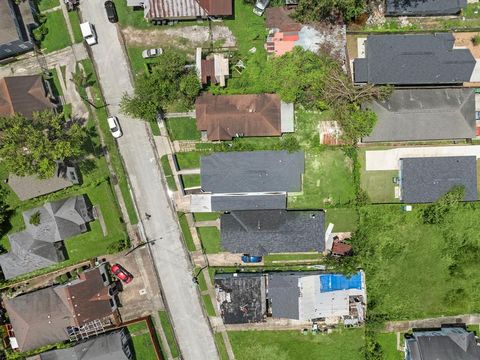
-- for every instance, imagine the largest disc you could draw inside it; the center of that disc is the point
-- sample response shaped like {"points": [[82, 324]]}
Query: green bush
{"points": [[35, 218]]}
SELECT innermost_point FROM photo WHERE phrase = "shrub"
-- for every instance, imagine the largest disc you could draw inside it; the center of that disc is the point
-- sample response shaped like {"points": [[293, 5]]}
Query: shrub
{"points": [[35, 218], [476, 40]]}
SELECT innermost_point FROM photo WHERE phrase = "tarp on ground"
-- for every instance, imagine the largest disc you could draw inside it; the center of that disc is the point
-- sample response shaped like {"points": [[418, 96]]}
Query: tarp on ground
{"points": [[335, 282]]}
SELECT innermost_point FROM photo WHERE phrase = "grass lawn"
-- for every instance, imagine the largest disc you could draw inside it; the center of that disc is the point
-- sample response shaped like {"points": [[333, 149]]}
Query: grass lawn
{"points": [[55, 83], [187, 235], [75, 22], [137, 62], [57, 37], [202, 284], [206, 216], [168, 330], [344, 219], [388, 342], [188, 160], [342, 344], [210, 237], [183, 129], [47, 4], [327, 181], [221, 346], [207, 302], [137, 327], [191, 181], [314, 257], [142, 343], [167, 171], [128, 17]]}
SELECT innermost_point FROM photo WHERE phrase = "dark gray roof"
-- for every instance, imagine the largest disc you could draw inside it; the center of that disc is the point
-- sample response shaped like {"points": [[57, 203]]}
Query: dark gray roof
{"points": [[424, 114], [248, 202], [413, 59], [254, 171], [111, 346], [424, 7], [261, 232], [16, 20], [425, 180], [445, 344], [283, 294]]}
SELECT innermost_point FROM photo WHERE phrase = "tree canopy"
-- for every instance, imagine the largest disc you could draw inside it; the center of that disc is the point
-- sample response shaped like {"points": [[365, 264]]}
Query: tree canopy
{"points": [[314, 10], [169, 85], [32, 146]]}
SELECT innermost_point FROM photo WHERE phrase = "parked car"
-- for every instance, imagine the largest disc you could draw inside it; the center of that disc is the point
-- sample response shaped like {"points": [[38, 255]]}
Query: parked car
{"points": [[88, 33], [114, 126], [246, 258], [260, 7], [151, 53], [120, 272], [111, 11]]}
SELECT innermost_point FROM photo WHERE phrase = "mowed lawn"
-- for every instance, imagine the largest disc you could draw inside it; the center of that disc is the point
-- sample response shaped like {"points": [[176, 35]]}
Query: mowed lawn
{"points": [[327, 181], [57, 37], [342, 344], [210, 237], [142, 343], [183, 129]]}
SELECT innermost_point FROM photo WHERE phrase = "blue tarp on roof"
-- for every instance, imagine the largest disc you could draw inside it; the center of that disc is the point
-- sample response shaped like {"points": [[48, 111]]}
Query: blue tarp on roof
{"points": [[334, 282]]}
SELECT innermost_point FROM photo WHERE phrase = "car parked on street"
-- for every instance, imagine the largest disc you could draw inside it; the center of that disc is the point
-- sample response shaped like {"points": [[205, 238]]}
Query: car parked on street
{"points": [[246, 258], [151, 53], [120, 272], [88, 33], [114, 126], [111, 11]]}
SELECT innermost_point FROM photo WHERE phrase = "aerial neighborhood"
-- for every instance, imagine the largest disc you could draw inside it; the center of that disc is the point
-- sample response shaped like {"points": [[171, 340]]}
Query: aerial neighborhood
{"points": [[239, 179]]}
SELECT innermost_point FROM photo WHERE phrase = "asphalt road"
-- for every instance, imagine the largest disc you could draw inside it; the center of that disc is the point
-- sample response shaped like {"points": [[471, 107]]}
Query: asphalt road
{"points": [[191, 327]]}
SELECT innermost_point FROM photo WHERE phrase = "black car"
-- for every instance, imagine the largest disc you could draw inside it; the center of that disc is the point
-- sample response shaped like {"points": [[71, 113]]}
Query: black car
{"points": [[111, 11]]}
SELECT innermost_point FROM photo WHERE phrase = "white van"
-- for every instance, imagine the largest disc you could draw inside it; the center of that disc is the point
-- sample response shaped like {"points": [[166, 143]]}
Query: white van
{"points": [[88, 33]]}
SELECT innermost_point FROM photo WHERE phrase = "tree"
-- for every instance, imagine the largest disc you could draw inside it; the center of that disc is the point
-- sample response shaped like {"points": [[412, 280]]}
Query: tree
{"points": [[314, 10], [355, 123], [32, 146], [169, 84], [435, 213]]}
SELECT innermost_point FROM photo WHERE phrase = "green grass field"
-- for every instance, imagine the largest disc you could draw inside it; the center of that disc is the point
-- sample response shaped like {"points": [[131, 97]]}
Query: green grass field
{"points": [[55, 82], [342, 344], [47, 4], [57, 37], [167, 171], [388, 342], [206, 216], [183, 129], [191, 181], [75, 22], [137, 62], [168, 330], [188, 160], [210, 237], [187, 235], [344, 219], [274, 259], [128, 17], [221, 346], [207, 303], [142, 343]]}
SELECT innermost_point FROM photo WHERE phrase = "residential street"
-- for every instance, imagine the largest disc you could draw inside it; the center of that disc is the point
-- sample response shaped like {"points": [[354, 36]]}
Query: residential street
{"points": [[191, 326]]}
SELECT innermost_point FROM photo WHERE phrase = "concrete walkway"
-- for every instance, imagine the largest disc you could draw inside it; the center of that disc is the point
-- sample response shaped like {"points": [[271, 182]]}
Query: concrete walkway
{"points": [[215, 223], [402, 326], [189, 172]]}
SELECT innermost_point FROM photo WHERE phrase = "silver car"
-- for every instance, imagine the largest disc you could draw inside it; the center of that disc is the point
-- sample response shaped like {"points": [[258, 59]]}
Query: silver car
{"points": [[150, 53], [114, 126]]}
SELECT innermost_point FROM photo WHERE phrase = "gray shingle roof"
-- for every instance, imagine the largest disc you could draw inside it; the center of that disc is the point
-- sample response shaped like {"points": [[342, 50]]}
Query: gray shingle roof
{"points": [[283, 293], [424, 114], [261, 232], [413, 59], [248, 202], [425, 180], [255, 171], [15, 22], [424, 7]]}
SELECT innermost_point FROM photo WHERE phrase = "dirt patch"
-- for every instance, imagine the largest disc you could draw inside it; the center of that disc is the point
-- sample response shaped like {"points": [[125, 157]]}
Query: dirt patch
{"points": [[464, 39], [185, 38]]}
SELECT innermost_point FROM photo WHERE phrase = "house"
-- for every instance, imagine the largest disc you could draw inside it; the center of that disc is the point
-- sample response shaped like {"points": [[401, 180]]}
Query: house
{"points": [[74, 311], [424, 7], [156, 10], [16, 23], [116, 345], [412, 59], [426, 179], [24, 95], [304, 296], [262, 232], [250, 180], [424, 114], [41, 244], [450, 342], [213, 70], [223, 117]]}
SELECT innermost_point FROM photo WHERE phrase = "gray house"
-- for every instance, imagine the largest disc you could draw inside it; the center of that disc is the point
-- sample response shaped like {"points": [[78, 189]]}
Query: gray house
{"points": [[116, 345], [424, 7], [261, 232], [414, 59], [424, 180], [424, 114], [41, 244], [446, 343], [251, 180]]}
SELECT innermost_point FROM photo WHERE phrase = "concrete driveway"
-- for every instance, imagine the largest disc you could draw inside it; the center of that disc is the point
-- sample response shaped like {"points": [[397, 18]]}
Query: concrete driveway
{"points": [[171, 259]]}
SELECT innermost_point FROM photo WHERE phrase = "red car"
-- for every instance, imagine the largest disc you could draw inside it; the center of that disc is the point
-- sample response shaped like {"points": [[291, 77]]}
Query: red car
{"points": [[120, 272]]}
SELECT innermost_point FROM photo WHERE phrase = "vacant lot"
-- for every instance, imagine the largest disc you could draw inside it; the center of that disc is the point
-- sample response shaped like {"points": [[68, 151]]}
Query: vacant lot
{"points": [[183, 129], [342, 344]]}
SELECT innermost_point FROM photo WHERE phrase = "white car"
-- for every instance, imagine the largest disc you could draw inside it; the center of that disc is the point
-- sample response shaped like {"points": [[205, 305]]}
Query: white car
{"points": [[150, 53], [260, 7], [88, 33], [114, 126]]}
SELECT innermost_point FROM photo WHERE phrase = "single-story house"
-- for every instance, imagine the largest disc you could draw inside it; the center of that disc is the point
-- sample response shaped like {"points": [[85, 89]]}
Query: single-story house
{"points": [[426, 179], [16, 24], [24, 95], [41, 244], [155, 10], [413, 59], [262, 232], [450, 342], [81, 308], [250, 180], [223, 117], [214, 69], [424, 114], [424, 7], [116, 345], [305, 296]]}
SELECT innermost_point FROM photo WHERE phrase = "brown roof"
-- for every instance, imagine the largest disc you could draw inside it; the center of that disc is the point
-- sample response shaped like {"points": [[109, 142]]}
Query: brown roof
{"points": [[208, 71], [188, 9], [226, 116], [278, 18], [341, 248], [217, 7], [24, 95]]}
